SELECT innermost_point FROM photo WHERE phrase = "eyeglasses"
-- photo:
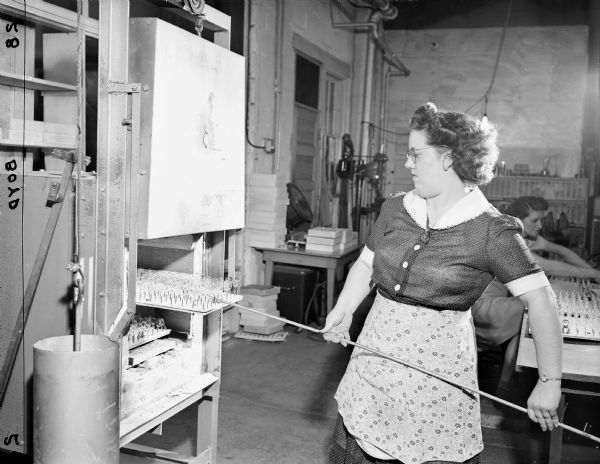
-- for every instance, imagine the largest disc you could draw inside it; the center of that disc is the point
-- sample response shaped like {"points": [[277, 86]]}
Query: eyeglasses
{"points": [[412, 155]]}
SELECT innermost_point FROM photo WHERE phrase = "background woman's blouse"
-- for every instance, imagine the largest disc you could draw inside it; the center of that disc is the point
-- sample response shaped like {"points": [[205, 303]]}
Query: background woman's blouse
{"points": [[449, 268]]}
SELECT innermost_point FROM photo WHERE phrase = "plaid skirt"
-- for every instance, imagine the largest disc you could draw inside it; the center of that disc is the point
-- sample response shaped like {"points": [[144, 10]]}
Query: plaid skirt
{"points": [[345, 450]]}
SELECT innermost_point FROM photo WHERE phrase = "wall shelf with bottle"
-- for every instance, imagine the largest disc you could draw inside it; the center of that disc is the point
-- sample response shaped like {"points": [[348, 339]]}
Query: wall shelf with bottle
{"points": [[550, 188], [563, 194]]}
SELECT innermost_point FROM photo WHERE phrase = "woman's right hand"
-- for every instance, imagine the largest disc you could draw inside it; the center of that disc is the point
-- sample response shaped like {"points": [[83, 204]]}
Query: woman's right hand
{"points": [[337, 326]]}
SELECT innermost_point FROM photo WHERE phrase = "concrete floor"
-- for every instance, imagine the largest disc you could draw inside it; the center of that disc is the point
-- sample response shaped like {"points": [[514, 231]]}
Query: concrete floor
{"points": [[277, 406]]}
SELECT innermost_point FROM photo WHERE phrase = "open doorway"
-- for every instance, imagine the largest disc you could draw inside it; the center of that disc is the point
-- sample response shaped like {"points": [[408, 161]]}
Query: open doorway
{"points": [[306, 129], [321, 116]]}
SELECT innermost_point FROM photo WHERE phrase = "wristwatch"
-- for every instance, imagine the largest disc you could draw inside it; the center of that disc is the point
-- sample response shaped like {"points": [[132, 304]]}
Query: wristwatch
{"points": [[545, 378]]}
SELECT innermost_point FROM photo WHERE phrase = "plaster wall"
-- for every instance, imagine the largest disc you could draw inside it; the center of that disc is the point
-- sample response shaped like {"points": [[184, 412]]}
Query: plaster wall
{"points": [[537, 100]]}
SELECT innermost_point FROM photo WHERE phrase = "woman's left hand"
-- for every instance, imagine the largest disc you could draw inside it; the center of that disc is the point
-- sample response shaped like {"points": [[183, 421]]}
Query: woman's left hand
{"points": [[542, 404]]}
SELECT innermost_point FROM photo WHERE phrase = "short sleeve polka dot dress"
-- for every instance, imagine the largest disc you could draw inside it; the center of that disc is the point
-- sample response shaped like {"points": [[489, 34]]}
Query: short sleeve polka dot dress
{"points": [[427, 279]]}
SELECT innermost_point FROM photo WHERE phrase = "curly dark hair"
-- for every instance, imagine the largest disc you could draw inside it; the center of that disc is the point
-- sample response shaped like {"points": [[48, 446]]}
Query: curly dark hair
{"points": [[522, 206], [472, 141]]}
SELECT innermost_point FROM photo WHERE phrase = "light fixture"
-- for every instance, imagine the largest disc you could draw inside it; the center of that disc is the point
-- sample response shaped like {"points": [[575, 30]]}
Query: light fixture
{"points": [[484, 118]]}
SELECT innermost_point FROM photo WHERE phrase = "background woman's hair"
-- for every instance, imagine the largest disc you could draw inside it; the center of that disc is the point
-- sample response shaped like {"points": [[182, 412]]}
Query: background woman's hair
{"points": [[522, 206], [472, 141]]}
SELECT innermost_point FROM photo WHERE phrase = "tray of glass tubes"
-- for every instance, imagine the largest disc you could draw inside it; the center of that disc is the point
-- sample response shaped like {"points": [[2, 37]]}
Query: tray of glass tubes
{"points": [[185, 292], [579, 314]]}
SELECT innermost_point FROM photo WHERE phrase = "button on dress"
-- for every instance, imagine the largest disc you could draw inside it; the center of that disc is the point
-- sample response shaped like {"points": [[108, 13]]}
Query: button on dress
{"points": [[427, 279]]}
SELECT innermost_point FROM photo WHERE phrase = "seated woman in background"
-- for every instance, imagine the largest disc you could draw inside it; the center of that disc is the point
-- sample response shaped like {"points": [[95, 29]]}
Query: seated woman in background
{"points": [[531, 210], [497, 314]]}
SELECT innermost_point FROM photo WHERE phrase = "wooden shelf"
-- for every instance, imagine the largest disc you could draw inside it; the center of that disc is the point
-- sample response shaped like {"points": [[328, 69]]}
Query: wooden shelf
{"points": [[159, 334], [50, 15], [149, 416], [33, 83], [150, 350], [20, 143], [569, 189]]}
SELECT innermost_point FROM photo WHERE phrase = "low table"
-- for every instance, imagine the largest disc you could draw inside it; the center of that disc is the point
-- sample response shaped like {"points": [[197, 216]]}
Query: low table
{"points": [[333, 262], [581, 374]]}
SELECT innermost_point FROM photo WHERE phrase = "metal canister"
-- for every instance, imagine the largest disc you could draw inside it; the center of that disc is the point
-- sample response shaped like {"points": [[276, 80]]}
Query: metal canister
{"points": [[76, 401]]}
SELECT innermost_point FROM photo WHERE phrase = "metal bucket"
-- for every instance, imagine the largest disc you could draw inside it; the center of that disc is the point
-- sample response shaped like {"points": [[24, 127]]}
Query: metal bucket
{"points": [[76, 401]]}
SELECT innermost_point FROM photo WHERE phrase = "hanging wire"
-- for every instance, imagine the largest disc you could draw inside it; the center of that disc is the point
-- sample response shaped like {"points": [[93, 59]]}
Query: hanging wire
{"points": [[381, 129], [495, 71], [487, 93], [475, 104]]}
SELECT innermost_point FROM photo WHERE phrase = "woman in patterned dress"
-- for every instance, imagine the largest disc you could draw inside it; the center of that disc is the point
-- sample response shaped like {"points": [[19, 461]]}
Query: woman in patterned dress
{"points": [[431, 254]]}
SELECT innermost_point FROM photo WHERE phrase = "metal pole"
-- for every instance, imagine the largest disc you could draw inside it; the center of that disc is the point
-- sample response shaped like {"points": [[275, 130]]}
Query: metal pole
{"points": [[111, 166], [367, 93]]}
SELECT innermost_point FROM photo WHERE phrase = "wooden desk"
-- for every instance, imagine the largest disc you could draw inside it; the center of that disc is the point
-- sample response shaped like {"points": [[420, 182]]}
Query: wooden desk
{"points": [[581, 363], [333, 262]]}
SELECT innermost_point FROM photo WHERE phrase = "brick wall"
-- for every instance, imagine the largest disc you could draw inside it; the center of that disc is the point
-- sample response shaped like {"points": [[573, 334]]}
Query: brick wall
{"points": [[537, 101]]}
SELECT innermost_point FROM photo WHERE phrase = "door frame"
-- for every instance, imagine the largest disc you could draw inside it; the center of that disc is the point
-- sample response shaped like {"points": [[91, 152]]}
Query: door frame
{"points": [[329, 66]]}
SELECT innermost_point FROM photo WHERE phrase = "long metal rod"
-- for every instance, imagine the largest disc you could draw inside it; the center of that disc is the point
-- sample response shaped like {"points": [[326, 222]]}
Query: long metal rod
{"points": [[367, 93], [412, 366], [77, 324], [277, 87]]}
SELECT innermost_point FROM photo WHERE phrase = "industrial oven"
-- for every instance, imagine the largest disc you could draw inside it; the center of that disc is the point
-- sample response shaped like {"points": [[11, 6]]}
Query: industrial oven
{"points": [[192, 132], [191, 192]]}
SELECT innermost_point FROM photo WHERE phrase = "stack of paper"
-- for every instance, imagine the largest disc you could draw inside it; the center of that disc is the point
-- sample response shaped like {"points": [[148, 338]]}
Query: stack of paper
{"points": [[330, 239], [268, 200], [264, 299]]}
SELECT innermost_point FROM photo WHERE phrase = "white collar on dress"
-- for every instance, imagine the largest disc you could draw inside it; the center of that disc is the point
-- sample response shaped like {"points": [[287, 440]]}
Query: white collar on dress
{"points": [[469, 207]]}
